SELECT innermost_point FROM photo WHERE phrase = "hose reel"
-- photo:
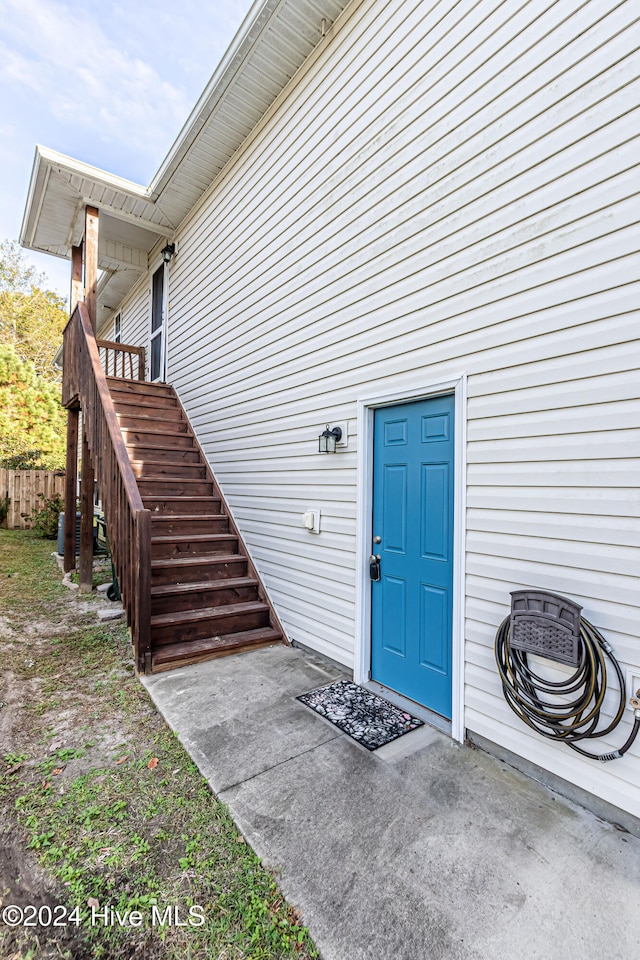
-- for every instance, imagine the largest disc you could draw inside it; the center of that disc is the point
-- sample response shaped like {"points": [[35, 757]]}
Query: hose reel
{"points": [[568, 709]]}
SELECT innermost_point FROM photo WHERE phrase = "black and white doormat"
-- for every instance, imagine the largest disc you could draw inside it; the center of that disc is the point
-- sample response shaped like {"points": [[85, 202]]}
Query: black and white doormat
{"points": [[362, 715]]}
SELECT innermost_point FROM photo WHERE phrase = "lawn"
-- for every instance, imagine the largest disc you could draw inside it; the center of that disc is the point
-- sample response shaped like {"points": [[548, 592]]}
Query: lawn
{"points": [[111, 843]]}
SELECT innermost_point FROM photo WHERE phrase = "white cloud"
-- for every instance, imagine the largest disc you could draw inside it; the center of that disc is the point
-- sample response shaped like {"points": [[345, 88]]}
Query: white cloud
{"points": [[61, 55], [108, 81]]}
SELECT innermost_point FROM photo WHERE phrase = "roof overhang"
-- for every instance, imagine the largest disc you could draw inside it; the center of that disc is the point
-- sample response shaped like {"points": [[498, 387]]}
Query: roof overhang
{"points": [[274, 40]]}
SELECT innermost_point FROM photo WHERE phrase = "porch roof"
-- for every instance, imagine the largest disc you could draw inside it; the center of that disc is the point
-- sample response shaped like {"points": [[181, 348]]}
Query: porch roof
{"points": [[274, 40]]}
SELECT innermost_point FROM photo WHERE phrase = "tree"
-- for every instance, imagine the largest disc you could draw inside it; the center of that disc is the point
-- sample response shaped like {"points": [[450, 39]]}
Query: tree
{"points": [[32, 318], [32, 419]]}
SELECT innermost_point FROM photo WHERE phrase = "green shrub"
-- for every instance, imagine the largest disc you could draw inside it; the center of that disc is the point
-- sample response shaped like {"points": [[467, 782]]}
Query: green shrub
{"points": [[4, 508], [27, 460], [45, 520]]}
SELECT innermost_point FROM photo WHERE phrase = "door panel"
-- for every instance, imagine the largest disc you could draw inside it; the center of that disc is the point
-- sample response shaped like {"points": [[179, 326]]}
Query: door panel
{"points": [[394, 494], [413, 516], [394, 615]]}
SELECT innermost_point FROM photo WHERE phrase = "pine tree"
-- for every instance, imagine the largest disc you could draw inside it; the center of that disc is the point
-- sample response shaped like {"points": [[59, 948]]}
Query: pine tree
{"points": [[32, 419], [32, 318]]}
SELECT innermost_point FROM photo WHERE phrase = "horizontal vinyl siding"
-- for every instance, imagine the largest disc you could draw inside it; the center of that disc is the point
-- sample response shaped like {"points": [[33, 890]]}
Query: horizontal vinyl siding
{"points": [[135, 317], [444, 187]]}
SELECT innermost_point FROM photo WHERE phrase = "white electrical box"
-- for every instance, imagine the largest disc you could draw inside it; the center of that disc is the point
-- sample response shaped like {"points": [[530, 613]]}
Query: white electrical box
{"points": [[633, 682], [311, 521]]}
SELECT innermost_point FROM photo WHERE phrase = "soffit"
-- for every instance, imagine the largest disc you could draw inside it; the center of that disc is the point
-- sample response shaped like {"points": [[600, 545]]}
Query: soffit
{"points": [[273, 42]]}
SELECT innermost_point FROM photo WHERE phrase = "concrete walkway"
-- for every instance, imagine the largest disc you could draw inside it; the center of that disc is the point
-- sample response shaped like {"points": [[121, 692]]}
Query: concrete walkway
{"points": [[423, 850]]}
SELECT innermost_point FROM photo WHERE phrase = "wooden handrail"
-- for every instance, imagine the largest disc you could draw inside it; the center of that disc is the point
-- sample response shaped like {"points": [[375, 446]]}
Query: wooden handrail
{"points": [[126, 351], [127, 520]]}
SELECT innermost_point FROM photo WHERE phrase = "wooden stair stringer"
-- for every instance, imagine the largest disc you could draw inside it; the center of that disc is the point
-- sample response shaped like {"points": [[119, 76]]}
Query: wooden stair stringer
{"points": [[157, 491], [252, 571]]}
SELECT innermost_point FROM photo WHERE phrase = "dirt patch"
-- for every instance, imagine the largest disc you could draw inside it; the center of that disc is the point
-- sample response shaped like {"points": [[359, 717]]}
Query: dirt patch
{"points": [[102, 814]]}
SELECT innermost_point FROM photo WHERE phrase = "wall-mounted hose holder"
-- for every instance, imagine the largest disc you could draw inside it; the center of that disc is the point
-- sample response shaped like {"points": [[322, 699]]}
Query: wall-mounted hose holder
{"points": [[567, 709]]}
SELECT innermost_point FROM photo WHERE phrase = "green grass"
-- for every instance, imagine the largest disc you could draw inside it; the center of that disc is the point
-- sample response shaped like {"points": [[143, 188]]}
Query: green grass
{"points": [[28, 577], [100, 792]]}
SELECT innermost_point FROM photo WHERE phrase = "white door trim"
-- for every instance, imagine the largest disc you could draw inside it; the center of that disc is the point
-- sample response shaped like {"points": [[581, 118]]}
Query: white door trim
{"points": [[364, 498], [163, 329]]}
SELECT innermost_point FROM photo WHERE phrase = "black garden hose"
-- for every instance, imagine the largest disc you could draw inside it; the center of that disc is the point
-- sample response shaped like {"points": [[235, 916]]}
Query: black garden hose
{"points": [[577, 715]]}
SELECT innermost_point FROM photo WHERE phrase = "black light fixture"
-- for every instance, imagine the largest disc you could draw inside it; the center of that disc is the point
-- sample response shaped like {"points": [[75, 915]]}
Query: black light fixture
{"points": [[328, 439], [168, 252]]}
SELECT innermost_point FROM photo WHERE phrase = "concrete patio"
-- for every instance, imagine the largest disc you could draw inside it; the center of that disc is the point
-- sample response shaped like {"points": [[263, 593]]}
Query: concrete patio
{"points": [[422, 850]]}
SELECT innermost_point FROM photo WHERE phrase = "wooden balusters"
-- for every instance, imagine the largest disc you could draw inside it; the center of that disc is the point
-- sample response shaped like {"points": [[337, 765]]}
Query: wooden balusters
{"points": [[123, 359]]}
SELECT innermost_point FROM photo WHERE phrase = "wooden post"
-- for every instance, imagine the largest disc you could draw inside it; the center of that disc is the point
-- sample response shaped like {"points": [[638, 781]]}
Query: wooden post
{"points": [[91, 264], [143, 592], [77, 289], [86, 519], [70, 491]]}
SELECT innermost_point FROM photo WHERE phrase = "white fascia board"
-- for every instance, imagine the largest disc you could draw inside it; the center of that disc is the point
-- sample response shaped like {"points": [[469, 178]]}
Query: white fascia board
{"points": [[102, 177], [35, 170]]}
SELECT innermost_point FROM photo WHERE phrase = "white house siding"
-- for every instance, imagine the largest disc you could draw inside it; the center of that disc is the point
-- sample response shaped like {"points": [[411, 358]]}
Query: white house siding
{"points": [[134, 315], [444, 187]]}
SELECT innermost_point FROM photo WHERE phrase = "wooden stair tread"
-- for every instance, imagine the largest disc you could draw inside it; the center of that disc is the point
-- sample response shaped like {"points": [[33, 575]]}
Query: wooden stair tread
{"points": [[158, 447], [144, 462], [208, 613], [158, 428], [148, 417], [174, 589], [204, 558], [210, 647], [163, 505], [160, 478], [139, 387], [188, 516], [127, 396], [178, 457], [196, 537], [155, 427], [158, 496], [151, 401]]}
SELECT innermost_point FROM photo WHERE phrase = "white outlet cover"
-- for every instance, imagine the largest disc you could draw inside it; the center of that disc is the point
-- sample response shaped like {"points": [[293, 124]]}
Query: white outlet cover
{"points": [[633, 682], [315, 515]]}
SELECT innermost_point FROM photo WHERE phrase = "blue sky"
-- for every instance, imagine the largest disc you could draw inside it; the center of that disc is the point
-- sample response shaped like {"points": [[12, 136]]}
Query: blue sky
{"points": [[110, 83]]}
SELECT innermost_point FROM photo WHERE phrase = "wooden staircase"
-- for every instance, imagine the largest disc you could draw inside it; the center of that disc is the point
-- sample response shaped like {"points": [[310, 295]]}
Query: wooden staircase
{"points": [[206, 597]]}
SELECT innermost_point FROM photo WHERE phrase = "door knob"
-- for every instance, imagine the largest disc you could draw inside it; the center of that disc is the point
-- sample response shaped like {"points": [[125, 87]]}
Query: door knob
{"points": [[377, 539]]}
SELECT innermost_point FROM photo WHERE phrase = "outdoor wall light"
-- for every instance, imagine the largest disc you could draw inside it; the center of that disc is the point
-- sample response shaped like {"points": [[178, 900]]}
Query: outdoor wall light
{"points": [[328, 439], [168, 252]]}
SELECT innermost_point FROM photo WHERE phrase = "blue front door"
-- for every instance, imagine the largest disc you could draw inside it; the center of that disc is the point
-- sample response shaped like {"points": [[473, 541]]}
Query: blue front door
{"points": [[413, 517]]}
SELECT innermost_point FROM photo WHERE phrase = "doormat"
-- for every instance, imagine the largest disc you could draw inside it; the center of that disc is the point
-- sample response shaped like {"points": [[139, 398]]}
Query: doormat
{"points": [[362, 715]]}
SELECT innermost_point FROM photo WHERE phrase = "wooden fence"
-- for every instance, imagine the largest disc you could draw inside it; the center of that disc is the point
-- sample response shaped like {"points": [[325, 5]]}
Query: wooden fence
{"points": [[28, 489]]}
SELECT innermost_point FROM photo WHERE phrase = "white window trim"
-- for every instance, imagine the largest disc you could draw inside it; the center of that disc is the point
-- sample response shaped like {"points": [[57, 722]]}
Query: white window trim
{"points": [[366, 406]]}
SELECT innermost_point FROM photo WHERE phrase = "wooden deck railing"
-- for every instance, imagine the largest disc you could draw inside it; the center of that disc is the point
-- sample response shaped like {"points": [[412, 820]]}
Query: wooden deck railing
{"points": [[122, 360], [128, 522]]}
